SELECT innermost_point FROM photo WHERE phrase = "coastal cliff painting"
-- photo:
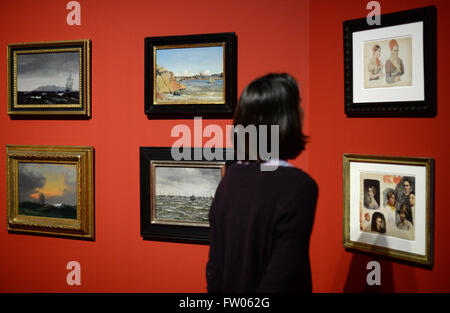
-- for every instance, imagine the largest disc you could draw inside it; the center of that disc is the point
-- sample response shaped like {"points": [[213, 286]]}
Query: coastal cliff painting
{"points": [[49, 78], [191, 76]]}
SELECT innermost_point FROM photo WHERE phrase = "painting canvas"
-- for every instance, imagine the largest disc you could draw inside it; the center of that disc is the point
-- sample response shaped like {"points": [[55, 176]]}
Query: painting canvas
{"points": [[177, 194], [48, 190], [48, 78], [190, 75], [184, 194], [388, 206]]}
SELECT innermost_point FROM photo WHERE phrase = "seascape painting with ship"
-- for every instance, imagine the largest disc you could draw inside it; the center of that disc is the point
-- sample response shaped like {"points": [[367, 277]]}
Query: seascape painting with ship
{"points": [[185, 194], [189, 75], [48, 190], [48, 78]]}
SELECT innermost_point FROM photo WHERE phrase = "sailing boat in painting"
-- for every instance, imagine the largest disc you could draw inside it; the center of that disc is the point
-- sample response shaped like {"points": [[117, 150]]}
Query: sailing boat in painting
{"points": [[69, 83], [184, 194], [48, 78]]}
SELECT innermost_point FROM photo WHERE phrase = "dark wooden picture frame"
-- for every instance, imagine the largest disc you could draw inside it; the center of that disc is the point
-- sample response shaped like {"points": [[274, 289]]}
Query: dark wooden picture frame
{"points": [[389, 207], [50, 78], [177, 211], [376, 88], [179, 82]]}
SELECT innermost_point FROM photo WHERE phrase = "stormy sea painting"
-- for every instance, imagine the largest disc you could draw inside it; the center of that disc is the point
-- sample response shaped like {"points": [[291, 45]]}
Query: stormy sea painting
{"points": [[48, 190], [190, 75], [185, 194], [48, 78]]}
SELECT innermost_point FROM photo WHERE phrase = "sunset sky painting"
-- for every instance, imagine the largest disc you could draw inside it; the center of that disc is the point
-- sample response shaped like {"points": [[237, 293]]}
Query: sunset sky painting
{"points": [[49, 183]]}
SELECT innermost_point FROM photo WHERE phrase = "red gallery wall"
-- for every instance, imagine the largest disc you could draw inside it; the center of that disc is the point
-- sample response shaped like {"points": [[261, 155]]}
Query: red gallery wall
{"points": [[271, 37], [297, 36], [334, 269]]}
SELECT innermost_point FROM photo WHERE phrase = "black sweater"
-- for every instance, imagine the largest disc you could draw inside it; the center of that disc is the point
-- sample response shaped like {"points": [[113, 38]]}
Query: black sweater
{"points": [[260, 225]]}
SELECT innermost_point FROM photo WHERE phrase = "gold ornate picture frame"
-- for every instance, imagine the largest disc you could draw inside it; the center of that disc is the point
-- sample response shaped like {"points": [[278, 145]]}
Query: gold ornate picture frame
{"points": [[49, 78], [389, 206], [50, 190]]}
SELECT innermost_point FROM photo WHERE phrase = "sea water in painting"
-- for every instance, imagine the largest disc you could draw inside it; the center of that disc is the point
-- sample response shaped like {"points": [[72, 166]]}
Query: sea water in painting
{"points": [[48, 190], [48, 78], [185, 193], [189, 75]]}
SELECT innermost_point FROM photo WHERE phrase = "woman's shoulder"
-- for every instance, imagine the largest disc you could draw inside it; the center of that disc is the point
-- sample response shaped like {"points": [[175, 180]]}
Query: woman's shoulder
{"points": [[293, 179], [297, 174], [290, 174]]}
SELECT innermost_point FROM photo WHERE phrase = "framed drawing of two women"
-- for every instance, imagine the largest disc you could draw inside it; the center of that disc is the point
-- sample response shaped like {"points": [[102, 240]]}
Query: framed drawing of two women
{"points": [[390, 69]]}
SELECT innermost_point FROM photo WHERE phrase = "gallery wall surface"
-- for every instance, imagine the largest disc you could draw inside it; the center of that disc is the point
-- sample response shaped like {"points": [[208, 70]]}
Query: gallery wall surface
{"points": [[301, 37], [271, 37], [333, 134]]}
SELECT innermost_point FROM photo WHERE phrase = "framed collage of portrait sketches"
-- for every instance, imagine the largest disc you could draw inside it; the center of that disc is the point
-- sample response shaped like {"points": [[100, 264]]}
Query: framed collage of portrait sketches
{"points": [[390, 69], [50, 190], [49, 78], [389, 205], [176, 195]]}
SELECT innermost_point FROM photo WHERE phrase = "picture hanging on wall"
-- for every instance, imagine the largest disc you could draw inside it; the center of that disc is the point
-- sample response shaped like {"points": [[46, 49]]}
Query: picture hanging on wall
{"points": [[50, 190], [191, 75], [388, 206], [390, 68], [49, 78], [176, 195]]}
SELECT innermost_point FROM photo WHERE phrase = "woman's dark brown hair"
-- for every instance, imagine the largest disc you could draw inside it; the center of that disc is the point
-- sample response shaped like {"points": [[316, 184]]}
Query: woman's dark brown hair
{"points": [[273, 99]]}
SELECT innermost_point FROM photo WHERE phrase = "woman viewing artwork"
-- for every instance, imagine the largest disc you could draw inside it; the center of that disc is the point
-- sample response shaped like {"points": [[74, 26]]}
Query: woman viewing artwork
{"points": [[261, 220]]}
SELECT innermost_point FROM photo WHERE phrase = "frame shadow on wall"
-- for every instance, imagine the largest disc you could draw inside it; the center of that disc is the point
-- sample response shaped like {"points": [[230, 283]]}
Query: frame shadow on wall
{"points": [[356, 281]]}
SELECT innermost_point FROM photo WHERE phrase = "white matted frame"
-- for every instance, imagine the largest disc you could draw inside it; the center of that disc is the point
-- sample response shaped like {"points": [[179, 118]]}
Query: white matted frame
{"points": [[370, 88], [379, 229]]}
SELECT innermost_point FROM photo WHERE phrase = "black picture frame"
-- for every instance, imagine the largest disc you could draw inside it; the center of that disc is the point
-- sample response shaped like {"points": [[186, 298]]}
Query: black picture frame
{"points": [[49, 79], [418, 95], [165, 229], [183, 107]]}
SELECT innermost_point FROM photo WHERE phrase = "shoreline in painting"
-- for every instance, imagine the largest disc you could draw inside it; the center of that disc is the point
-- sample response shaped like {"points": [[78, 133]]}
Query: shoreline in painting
{"points": [[186, 89], [196, 90]]}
